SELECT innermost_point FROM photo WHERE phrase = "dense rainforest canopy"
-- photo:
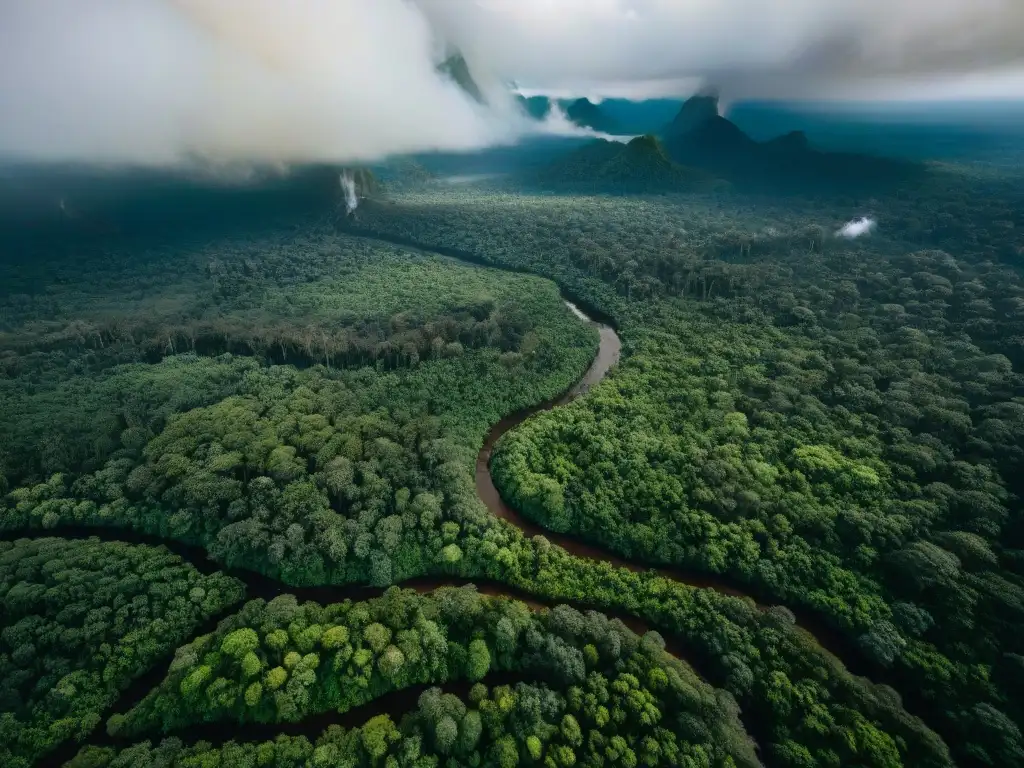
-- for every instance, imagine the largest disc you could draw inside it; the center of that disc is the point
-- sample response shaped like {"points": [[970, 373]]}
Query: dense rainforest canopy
{"points": [[827, 420], [81, 619], [824, 424]]}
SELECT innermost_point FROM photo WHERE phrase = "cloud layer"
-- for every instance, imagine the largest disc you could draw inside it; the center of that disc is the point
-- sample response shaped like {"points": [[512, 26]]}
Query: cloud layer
{"points": [[157, 81], [238, 81], [749, 47]]}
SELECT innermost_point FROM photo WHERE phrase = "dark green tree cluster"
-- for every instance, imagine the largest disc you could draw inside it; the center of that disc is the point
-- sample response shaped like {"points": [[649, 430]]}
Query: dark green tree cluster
{"points": [[260, 460], [314, 477], [705, 247], [280, 661], [641, 165], [82, 619], [75, 424], [318, 298], [831, 715], [601, 722], [798, 701]]}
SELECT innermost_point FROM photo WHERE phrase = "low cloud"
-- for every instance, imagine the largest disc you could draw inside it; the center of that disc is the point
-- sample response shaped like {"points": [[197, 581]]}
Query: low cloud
{"points": [[857, 228], [172, 81], [221, 82], [557, 123], [747, 47]]}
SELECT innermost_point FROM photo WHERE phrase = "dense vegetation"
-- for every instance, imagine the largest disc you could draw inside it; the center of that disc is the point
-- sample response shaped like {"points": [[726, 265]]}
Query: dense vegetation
{"points": [[318, 475], [641, 165], [81, 620], [339, 475], [827, 422], [310, 298], [824, 423], [282, 661], [504, 726]]}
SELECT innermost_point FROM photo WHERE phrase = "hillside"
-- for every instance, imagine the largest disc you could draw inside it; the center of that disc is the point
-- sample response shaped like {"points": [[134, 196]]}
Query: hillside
{"points": [[642, 164], [700, 137], [537, 107], [695, 111], [620, 117]]}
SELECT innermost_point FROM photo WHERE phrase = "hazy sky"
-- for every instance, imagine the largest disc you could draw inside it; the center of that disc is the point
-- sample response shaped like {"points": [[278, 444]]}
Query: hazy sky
{"points": [[161, 81], [891, 48]]}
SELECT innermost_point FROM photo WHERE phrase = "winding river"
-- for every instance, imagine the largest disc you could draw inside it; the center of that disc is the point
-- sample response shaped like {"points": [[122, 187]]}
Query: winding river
{"points": [[607, 356], [259, 586]]}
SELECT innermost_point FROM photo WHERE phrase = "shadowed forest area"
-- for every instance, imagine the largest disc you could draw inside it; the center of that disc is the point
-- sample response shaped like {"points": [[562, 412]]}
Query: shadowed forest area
{"points": [[783, 529]]}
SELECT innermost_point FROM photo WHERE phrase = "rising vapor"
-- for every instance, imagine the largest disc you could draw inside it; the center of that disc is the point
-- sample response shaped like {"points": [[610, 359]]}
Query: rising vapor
{"points": [[348, 189], [857, 228]]}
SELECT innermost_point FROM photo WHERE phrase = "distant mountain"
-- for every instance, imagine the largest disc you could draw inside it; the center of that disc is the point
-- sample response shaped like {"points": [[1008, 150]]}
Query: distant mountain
{"points": [[456, 68], [587, 114], [641, 165], [694, 112], [620, 117], [794, 141], [537, 107], [699, 137], [636, 118], [714, 137], [919, 130]]}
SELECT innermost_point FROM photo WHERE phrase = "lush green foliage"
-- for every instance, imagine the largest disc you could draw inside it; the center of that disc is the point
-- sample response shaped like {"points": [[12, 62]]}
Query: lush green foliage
{"points": [[751, 474], [769, 423], [318, 475], [281, 661], [312, 477], [832, 424], [313, 299], [638, 166], [80, 620], [504, 726], [77, 423]]}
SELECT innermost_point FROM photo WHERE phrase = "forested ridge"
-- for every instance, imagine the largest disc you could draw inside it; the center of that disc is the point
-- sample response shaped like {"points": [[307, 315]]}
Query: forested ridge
{"points": [[309, 407]]}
